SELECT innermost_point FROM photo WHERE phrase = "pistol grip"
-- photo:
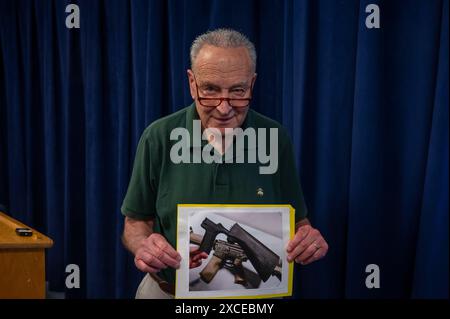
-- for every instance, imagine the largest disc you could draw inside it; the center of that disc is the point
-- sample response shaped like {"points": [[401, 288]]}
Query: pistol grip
{"points": [[211, 269]]}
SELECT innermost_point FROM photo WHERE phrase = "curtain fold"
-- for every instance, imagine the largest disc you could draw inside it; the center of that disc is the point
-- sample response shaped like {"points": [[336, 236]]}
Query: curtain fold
{"points": [[367, 110]]}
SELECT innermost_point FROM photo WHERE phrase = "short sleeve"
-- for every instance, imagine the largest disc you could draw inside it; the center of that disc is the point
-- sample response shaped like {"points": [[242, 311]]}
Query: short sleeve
{"points": [[291, 189], [140, 199]]}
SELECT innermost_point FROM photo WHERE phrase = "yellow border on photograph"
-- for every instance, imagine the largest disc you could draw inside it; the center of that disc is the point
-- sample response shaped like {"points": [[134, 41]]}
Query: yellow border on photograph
{"points": [[292, 233]]}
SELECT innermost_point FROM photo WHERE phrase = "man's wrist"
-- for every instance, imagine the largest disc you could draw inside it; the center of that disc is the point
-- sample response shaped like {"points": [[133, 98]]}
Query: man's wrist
{"points": [[138, 242], [133, 244]]}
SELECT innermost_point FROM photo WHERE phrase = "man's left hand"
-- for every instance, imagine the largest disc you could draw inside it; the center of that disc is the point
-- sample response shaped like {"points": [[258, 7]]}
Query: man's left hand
{"points": [[307, 246]]}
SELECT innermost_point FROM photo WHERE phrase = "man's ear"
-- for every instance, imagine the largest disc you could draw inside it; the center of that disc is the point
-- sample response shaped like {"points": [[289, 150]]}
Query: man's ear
{"points": [[254, 79], [191, 80]]}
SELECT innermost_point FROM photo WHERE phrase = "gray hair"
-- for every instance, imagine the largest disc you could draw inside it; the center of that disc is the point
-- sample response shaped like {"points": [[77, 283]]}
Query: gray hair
{"points": [[223, 38]]}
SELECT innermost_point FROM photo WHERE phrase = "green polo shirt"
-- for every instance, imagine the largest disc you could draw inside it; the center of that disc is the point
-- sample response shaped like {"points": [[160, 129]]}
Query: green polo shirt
{"points": [[157, 185]]}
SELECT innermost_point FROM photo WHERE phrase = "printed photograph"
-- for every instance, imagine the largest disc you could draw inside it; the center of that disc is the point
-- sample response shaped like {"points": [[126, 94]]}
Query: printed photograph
{"points": [[233, 251]]}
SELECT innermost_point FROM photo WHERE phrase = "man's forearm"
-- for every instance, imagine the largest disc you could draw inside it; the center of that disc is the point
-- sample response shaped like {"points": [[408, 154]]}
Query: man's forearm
{"points": [[134, 232]]}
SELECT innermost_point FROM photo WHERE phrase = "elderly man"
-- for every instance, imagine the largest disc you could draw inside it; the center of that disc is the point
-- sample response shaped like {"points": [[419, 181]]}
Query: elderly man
{"points": [[221, 80]]}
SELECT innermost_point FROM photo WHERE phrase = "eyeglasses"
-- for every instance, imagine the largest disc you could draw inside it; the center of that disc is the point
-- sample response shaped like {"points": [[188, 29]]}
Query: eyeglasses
{"points": [[216, 101]]}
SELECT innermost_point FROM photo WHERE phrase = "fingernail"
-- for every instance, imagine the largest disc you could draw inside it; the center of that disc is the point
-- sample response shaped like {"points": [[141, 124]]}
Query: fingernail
{"points": [[289, 258]]}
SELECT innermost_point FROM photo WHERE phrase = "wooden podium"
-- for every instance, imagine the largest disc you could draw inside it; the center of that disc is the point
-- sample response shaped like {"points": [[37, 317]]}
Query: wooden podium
{"points": [[22, 261]]}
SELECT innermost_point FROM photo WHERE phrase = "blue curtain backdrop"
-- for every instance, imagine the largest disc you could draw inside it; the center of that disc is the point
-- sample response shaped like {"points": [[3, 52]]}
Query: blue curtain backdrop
{"points": [[367, 110]]}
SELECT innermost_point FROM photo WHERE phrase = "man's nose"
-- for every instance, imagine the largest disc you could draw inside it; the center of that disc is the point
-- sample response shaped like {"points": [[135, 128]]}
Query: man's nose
{"points": [[224, 108]]}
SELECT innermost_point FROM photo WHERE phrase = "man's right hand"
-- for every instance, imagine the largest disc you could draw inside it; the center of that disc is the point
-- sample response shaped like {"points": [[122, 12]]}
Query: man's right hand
{"points": [[155, 253]]}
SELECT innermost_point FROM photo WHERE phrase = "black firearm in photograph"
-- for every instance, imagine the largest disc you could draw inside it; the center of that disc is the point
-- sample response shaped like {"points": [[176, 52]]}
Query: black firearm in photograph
{"points": [[226, 255], [265, 261]]}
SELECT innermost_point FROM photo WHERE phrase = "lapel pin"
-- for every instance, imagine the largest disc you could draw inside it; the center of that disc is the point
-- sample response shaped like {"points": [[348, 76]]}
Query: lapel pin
{"points": [[260, 192]]}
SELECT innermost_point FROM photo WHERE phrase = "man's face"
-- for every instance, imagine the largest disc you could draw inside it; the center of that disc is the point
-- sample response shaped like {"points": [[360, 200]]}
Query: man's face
{"points": [[221, 72]]}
